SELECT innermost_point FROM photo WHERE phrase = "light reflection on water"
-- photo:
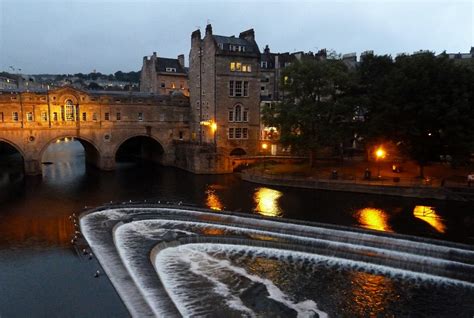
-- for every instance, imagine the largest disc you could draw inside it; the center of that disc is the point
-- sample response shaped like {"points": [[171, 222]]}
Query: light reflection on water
{"points": [[428, 214], [374, 219], [267, 203], [212, 200], [370, 294]]}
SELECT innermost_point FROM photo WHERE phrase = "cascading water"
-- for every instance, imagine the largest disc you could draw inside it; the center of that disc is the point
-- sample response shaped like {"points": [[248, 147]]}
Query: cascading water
{"points": [[167, 261]]}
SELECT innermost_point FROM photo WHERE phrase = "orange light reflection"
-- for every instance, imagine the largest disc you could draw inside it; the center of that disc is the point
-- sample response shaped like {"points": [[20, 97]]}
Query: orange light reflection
{"points": [[428, 214], [266, 201], [212, 200], [374, 219]]}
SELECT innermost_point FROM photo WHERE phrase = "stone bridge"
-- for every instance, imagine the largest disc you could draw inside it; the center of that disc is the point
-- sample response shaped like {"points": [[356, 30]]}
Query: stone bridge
{"points": [[102, 121]]}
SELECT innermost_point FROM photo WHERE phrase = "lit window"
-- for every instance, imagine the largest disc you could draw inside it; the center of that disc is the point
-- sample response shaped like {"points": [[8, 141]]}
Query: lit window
{"points": [[238, 66], [173, 85], [246, 68], [107, 116], [44, 116], [29, 116], [69, 111], [118, 116], [232, 66]]}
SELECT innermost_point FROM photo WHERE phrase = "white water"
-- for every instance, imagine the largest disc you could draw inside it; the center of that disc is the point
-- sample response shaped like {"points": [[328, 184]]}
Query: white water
{"points": [[201, 262], [155, 229]]}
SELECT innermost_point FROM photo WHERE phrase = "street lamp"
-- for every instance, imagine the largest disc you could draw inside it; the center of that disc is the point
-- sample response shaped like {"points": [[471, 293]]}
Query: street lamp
{"points": [[264, 150], [379, 154]]}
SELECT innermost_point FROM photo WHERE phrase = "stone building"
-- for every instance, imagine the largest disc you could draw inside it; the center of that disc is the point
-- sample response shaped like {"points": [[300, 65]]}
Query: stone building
{"points": [[163, 76], [224, 85]]}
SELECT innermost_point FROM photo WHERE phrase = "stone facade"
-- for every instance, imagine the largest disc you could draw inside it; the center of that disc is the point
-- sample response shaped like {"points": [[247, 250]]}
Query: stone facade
{"points": [[225, 91], [101, 121], [164, 75]]}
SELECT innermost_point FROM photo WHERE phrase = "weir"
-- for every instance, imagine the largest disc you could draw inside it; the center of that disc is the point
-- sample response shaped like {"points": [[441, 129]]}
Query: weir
{"points": [[134, 243]]}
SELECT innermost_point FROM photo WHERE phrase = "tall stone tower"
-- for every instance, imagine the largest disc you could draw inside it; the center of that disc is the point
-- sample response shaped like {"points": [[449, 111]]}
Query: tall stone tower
{"points": [[225, 91]]}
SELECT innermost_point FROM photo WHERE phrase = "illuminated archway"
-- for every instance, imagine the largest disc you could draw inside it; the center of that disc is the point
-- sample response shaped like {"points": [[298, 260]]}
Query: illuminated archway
{"points": [[91, 151]]}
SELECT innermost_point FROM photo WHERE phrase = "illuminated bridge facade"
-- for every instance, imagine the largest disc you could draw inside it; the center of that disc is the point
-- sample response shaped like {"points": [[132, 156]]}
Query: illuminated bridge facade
{"points": [[102, 121]]}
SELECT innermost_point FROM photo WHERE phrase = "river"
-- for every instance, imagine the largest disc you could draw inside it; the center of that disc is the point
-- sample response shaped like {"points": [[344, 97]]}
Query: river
{"points": [[42, 275]]}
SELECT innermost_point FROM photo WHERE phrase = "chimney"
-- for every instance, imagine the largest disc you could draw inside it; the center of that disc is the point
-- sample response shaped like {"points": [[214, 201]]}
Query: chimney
{"points": [[208, 29], [248, 35], [181, 60], [196, 35], [266, 50]]}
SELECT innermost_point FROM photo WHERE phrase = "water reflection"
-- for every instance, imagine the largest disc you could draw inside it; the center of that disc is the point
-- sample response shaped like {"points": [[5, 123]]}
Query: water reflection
{"points": [[370, 294], [374, 219], [266, 201], [212, 200], [428, 214], [22, 230]]}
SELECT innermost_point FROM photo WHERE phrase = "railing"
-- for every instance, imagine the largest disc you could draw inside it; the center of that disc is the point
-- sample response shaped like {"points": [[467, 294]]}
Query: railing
{"points": [[352, 179]]}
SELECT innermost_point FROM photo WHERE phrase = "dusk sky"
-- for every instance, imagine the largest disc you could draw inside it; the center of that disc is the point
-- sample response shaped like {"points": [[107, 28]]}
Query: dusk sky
{"points": [[71, 36]]}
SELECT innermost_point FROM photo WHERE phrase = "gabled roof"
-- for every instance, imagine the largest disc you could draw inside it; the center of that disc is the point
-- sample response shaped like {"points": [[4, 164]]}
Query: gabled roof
{"points": [[231, 40], [162, 63], [225, 41]]}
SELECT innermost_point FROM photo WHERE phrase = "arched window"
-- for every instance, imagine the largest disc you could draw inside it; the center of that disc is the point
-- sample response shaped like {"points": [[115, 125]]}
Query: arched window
{"points": [[70, 110], [238, 113]]}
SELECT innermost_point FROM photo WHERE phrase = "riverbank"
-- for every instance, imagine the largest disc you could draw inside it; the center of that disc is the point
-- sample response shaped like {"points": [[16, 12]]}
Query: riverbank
{"points": [[381, 186]]}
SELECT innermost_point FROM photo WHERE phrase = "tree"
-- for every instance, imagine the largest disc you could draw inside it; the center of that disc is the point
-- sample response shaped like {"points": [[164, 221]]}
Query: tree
{"points": [[315, 112], [425, 105]]}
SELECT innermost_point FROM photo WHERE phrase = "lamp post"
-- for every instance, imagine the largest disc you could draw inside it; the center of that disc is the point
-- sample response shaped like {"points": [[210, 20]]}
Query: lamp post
{"points": [[264, 151], [379, 154]]}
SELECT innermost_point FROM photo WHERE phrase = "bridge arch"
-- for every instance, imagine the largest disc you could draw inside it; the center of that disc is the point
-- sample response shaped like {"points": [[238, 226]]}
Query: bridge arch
{"points": [[140, 146], [13, 145], [92, 152]]}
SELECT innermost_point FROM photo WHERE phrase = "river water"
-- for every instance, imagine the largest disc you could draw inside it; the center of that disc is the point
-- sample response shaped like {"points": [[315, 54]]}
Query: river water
{"points": [[42, 275]]}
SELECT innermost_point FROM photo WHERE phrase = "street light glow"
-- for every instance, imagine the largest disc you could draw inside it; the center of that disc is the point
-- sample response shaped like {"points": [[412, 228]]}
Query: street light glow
{"points": [[264, 146], [380, 153]]}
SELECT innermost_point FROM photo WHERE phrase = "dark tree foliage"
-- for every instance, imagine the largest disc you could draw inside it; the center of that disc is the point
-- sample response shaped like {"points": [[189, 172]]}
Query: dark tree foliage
{"points": [[424, 104], [315, 112]]}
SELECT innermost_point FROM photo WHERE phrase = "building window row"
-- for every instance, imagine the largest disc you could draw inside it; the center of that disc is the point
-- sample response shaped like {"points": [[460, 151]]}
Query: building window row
{"points": [[238, 133], [237, 48], [238, 88], [239, 67]]}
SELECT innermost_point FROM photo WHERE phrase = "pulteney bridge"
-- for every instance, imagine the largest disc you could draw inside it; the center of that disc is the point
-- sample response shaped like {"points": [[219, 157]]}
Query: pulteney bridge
{"points": [[102, 121]]}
